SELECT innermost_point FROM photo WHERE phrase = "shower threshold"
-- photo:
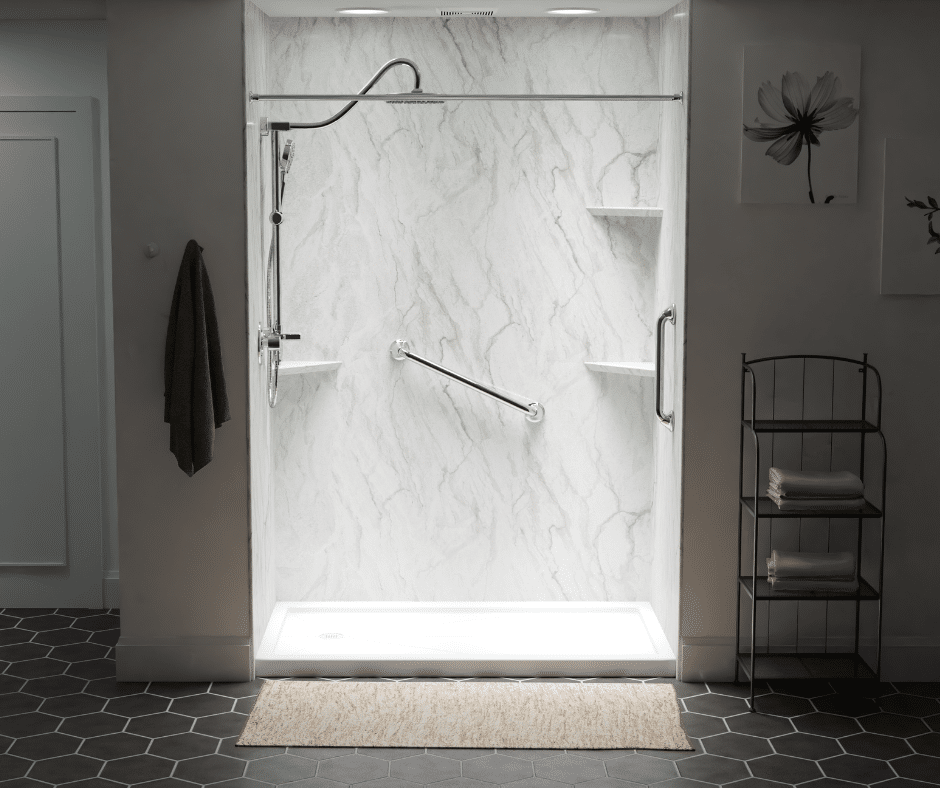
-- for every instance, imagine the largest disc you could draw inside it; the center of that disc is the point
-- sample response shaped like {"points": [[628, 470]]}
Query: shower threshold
{"points": [[464, 639]]}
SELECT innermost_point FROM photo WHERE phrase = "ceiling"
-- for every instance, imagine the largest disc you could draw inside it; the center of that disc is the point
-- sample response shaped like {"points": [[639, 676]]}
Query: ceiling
{"points": [[502, 8]]}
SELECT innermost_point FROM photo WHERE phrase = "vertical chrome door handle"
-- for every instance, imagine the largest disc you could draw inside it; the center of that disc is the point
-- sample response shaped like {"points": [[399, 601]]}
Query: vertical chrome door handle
{"points": [[669, 314]]}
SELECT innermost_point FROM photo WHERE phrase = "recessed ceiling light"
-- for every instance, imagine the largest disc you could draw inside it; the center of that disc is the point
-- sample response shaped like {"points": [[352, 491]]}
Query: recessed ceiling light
{"points": [[361, 11], [572, 11]]}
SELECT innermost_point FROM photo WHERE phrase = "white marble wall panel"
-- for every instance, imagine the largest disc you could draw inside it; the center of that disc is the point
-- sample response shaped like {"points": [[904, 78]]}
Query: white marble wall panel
{"points": [[261, 460], [464, 229]]}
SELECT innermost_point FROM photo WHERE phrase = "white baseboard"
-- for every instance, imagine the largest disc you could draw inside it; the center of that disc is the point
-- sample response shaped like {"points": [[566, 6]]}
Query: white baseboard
{"points": [[111, 589], [209, 658], [904, 658]]}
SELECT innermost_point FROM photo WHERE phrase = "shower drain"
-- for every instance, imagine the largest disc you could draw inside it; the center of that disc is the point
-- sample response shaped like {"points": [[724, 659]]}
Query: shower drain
{"points": [[331, 635]]}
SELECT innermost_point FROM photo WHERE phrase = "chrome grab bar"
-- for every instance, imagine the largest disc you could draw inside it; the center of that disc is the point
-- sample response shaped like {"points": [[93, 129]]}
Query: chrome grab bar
{"points": [[668, 314], [401, 350]]}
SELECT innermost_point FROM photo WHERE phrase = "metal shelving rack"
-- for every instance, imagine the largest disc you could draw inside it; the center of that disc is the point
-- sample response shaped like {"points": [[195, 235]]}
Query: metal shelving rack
{"points": [[779, 664]]}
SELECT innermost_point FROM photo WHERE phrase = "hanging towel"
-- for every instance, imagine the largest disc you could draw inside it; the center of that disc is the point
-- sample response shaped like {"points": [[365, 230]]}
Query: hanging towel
{"points": [[195, 402], [826, 484], [832, 566]]}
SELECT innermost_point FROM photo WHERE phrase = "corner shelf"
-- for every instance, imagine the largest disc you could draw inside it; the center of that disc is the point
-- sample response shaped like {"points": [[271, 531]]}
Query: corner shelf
{"points": [[301, 367], [643, 369], [642, 213], [791, 662]]}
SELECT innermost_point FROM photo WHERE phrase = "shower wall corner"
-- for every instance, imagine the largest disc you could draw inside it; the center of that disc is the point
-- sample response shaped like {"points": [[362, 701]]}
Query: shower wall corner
{"points": [[670, 290], [260, 451]]}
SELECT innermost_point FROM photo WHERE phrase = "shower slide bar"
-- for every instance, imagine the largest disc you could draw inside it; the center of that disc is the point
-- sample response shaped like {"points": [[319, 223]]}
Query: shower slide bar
{"points": [[420, 97], [534, 411]]}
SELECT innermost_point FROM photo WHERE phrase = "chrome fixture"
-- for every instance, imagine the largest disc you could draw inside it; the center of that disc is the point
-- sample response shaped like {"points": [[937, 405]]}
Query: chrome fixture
{"points": [[352, 98], [534, 411], [270, 338], [668, 315], [407, 98], [436, 98]]}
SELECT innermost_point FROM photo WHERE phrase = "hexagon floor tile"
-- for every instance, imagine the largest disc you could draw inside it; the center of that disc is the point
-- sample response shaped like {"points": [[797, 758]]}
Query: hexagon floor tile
{"points": [[65, 720]]}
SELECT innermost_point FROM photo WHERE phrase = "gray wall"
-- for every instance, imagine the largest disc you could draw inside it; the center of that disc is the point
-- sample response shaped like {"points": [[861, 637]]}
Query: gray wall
{"points": [[177, 172], [768, 280], [69, 58]]}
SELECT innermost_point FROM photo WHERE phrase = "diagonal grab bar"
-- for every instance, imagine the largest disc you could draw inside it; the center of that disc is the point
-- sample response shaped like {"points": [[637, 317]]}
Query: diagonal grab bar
{"points": [[534, 411]]}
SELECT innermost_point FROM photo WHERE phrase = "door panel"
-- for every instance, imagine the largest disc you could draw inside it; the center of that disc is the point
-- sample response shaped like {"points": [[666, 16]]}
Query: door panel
{"points": [[32, 483], [50, 420]]}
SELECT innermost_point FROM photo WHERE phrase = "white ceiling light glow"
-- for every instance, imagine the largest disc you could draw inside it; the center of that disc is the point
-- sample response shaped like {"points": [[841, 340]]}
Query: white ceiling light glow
{"points": [[361, 11], [572, 11]]}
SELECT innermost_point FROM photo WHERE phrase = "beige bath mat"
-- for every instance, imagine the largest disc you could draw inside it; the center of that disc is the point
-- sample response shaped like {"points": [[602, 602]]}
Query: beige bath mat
{"points": [[466, 714]]}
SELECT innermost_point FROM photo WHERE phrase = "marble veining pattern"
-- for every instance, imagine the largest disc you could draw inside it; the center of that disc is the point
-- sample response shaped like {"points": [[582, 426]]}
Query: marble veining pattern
{"points": [[464, 228]]}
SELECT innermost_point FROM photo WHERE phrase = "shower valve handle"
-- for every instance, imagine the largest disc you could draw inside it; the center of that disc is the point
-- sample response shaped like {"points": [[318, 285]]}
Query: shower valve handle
{"points": [[268, 339]]}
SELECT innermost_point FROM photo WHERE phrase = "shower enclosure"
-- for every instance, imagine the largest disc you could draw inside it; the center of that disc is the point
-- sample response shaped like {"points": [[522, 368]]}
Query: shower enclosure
{"points": [[405, 523]]}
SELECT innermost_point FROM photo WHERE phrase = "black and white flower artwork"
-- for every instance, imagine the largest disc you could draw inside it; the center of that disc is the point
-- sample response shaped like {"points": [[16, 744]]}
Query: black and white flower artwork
{"points": [[910, 240], [800, 130]]}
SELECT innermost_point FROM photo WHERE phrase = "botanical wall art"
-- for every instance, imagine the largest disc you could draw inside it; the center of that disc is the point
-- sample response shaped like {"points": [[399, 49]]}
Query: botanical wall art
{"points": [[799, 140], [910, 241]]}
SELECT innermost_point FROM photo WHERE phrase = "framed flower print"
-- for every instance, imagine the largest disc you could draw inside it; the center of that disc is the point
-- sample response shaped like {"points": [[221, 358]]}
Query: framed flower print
{"points": [[799, 138]]}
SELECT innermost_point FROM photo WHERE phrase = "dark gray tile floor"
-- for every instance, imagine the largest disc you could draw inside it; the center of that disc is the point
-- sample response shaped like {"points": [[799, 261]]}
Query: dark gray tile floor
{"points": [[64, 720]]}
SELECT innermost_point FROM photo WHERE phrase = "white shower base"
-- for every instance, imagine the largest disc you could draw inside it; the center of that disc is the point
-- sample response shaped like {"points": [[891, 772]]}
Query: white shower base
{"points": [[464, 639]]}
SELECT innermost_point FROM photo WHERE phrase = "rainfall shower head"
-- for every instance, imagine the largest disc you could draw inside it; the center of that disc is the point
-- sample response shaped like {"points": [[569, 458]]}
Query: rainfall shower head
{"points": [[287, 157], [406, 98]]}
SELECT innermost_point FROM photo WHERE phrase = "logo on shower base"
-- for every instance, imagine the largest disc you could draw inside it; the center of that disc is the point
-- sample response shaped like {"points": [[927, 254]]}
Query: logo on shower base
{"points": [[331, 635]]}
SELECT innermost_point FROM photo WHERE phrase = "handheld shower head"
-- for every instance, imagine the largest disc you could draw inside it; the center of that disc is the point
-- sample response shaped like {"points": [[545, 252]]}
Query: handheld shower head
{"points": [[406, 98], [287, 157]]}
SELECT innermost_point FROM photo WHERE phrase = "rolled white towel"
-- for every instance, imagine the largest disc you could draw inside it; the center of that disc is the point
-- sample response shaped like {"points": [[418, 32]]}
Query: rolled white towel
{"points": [[786, 564], [833, 483]]}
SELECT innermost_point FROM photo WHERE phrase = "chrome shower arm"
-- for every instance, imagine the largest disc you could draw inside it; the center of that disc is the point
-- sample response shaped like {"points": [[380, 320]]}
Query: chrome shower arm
{"points": [[282, 125]]}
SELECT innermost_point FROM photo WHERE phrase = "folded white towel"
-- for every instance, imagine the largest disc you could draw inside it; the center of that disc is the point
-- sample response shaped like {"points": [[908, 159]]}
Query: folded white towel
{"points": [[791, 565], [777, 492], [808, 504], [833, 483], [788, 584]]}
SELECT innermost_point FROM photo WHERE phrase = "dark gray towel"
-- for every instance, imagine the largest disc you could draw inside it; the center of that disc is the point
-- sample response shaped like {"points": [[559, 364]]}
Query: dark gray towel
{"points": [[195, 402]]}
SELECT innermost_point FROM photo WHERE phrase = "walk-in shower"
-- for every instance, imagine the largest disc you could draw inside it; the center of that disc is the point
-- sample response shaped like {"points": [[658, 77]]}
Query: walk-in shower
{"points": [[404, 525]]}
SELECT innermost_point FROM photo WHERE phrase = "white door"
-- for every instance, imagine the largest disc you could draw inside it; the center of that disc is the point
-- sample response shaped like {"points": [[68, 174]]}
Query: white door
{"points": [[50, 422]]}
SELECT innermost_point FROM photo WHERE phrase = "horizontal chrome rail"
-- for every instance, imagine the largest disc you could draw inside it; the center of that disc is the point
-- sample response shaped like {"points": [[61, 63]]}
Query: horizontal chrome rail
{"points": [[419, 98], [534, 411]]}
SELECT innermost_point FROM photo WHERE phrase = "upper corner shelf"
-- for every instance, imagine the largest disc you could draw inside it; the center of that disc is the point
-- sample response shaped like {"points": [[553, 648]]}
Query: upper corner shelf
{"points": [[299, 367], [601, 210], [645, 369]]}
